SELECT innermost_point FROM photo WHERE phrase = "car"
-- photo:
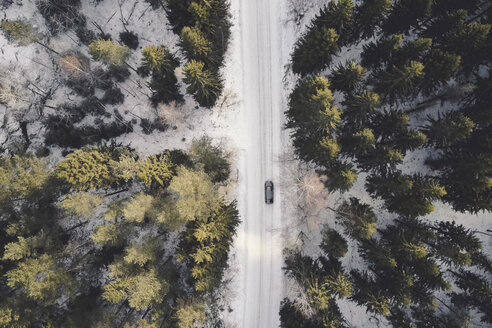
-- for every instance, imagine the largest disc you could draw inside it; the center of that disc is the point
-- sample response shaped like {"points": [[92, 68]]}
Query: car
{"points": [[269, 192]]}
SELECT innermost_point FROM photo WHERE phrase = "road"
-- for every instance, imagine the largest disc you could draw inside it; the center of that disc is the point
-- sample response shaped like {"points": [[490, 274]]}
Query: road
{"points": [[260, 255]]}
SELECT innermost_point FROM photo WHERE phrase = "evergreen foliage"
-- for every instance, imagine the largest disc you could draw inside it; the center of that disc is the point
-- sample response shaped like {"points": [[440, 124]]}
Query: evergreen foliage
{"points": [[205, 85], [109, 52], [21, 32], [162, 63]]}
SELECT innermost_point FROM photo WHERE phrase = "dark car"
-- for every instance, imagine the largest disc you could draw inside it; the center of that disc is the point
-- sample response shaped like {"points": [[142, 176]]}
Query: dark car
{"points": [[269, 192]]}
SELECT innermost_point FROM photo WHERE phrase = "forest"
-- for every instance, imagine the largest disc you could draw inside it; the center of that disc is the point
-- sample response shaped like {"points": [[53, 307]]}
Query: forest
{"points": [[93, 233], [394, 97]]}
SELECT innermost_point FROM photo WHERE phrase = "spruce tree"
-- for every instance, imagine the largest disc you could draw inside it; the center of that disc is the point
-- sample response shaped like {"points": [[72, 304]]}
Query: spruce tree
{"points": [[156, 170], [347, 78], [211, 158], [21, 32], [313, 52], [448, 129], [85, 169], [109, 52], [162, 63], [406, 14], [333, 244], [369, 15], [358, 218], [205, 85], [195, 45], [399, 83]]}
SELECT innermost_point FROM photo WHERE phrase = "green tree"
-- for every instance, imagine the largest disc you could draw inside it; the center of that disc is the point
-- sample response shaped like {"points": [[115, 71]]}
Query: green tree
{"points": [[341, 176], [410, 196], [21, 32], [198, 197], [137, 209], [86, 169], [347, 78], [369, 15], [440, 67], [406, 14], [162, 63], [42, 279], [359, 107], [195, 45], [190, 314], [448, 129], [358, 218], [313, 52], [205, 85], [109, 52], [212, 158], [156, 170], [376, 53], [400, 82], [178, 14], [22, 177], [333, 243], [83, 205]]}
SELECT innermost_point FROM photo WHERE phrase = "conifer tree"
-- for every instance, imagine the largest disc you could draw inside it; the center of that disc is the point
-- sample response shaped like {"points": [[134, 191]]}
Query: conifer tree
{"points": [[313, 52], [448, 129], [42, 279], [341, 176], [211, 158], [83, 205], [162, 63], [410, 196], [138, 208], [440, 66], [21, 32], [333, 244], [406, 14], [376, 53], [347, 78], [195, 45], [399, 83], [358, 218], [156, 170], [197, 195], [85, 169], [368, 16], [205, 85], [190, 314], [106, 234], [109, 52], [178, 14]]}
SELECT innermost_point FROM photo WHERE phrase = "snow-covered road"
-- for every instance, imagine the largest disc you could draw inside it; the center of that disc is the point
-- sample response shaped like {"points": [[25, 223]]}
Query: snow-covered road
{"points": [[259, 245]]}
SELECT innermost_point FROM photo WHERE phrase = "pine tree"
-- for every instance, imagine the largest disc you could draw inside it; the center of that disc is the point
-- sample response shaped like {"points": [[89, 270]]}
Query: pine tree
{"points": [[42, 279], [83, 205], [339, 285], [409, 196], [211, 158], [406, 14], [376, 53], [359, 107], [106, 234], [85, 169], [190, 314], [109, 52], [448, 129], [314, 50], [195, 45], [469, 41], [21, 32], [358, 218], [399, 83], [341, 176], [125, 168], [440, 67], [156, 170], [333, 243], [205, 85], [22, 177], [369, 15], [198, 198], [162, 63], [347, 78], [142, 253], [137, 209], [178, 14]]}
